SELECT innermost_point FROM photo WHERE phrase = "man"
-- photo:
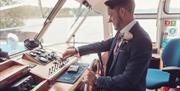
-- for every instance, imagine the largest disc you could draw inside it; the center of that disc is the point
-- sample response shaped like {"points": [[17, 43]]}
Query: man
{"points": [[129, 54]]}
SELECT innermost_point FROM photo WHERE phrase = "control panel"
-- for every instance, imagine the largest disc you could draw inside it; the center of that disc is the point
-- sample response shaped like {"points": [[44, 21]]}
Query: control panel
{"points": [[48, 63], [41, 56], [44, 67], [56, 66], [24, 84]]}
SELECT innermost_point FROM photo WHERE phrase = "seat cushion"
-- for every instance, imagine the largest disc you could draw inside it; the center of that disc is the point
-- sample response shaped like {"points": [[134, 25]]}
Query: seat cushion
{"points": [[156, 78]]}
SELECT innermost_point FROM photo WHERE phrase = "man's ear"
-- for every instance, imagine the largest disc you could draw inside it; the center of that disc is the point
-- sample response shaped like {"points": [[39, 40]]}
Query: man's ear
{"points": [[122, 12]]}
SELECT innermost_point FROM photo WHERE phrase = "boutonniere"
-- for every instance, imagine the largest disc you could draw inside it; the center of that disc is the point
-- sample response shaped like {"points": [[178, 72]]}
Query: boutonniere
{"points": [[126, 36]]}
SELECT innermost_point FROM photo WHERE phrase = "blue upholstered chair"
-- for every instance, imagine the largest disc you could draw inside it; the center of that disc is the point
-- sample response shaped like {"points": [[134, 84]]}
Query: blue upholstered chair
{"points": [[170, 74]]}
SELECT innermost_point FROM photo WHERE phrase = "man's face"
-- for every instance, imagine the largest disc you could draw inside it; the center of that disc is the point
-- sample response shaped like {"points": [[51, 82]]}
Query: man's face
{"points": [[116, 17]]}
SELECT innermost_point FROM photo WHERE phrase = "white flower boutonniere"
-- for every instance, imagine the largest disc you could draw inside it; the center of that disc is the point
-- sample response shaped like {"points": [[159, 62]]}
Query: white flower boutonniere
{"points": [[126, 36]]}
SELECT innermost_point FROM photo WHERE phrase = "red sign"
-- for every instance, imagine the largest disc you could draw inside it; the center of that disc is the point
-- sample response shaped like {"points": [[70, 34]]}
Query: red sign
{"points": [[169, 23]]}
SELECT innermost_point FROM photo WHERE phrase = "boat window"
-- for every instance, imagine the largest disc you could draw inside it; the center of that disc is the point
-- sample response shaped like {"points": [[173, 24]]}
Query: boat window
{"points": [[149, 25], [91, 30], [67, 21], [146, 6], [21, 19], [174, 6]]}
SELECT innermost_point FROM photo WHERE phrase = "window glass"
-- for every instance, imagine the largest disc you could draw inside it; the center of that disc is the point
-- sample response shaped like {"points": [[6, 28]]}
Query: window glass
{"points": [[68, 19], [149, 25], [174, 6], [60, 27], [146, 6], [21, 19], [91, 30]]}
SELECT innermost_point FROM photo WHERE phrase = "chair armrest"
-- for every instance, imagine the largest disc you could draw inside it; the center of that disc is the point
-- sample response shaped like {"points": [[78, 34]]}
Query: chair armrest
{"points": [[174, 74], [172, 69]]}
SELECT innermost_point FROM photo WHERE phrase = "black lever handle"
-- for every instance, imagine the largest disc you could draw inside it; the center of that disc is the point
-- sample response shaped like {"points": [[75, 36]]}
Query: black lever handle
{"points": [[31, 43], [101, 64], [3, 55]]}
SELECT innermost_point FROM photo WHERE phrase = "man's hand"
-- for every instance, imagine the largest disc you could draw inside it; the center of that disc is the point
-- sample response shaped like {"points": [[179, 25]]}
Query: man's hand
{"points": [[69, 52], [90, 77]]}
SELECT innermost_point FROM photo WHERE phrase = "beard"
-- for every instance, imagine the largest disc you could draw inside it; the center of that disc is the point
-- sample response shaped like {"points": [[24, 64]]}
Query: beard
{"points": [[119, 24], [116, 28]]}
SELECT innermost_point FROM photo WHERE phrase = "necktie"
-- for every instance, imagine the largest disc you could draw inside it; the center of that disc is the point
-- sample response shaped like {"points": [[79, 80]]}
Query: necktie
{"points": [[118, 40]]}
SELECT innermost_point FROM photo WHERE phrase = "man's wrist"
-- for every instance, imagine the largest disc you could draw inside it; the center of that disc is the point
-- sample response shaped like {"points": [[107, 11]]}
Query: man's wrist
{"points": [[76, 50], [95, 83]]}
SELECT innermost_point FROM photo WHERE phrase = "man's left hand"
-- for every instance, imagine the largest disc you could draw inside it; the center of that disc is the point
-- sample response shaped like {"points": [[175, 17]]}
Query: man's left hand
{"points": [[90, 77]]}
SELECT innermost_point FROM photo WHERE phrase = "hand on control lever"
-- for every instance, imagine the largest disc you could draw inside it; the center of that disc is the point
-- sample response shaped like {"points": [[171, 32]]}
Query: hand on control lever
{"points": [[69, 52]]}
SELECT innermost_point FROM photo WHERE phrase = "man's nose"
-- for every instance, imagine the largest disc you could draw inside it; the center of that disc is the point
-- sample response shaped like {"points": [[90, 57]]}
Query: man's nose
{"points": [[110, 20]]}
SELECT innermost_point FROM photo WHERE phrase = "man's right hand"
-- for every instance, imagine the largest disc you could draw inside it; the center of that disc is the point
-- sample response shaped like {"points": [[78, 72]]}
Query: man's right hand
{"points": [[69, 52]]}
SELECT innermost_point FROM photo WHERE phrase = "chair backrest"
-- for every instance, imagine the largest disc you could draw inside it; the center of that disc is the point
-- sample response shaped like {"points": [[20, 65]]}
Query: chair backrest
{"points": [[171, 53]]}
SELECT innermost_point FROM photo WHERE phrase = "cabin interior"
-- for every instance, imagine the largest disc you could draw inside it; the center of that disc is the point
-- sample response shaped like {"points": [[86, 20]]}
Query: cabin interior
{"points": [[35, 33]]}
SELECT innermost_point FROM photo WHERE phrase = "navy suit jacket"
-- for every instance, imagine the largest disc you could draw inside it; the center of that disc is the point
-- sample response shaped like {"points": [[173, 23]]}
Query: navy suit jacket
{"points": [[127, 70]]}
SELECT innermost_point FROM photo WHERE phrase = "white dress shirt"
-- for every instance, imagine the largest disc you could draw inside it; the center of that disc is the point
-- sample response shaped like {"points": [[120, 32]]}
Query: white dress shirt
{"points": [[127, 28]]}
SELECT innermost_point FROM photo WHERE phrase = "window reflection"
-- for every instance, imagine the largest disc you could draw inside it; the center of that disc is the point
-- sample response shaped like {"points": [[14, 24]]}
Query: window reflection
{"points": [[21, 19]]}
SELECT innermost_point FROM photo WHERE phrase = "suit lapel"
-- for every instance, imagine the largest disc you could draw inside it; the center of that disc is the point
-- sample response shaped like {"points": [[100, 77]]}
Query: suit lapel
{"points": [[110, 59], [115, 57], [113, 45]]}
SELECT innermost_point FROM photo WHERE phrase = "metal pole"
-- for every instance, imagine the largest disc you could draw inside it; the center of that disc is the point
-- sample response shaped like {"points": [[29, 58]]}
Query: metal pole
{"points": [[76, 29], [50, 18]]}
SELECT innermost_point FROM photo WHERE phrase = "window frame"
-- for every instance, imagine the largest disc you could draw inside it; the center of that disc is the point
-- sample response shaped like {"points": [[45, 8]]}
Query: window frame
{"points": [[166, 5]]}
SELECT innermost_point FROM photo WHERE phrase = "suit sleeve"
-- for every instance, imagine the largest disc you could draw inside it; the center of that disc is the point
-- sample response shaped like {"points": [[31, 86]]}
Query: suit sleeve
{"points": [[95, 47], [140, 55]]}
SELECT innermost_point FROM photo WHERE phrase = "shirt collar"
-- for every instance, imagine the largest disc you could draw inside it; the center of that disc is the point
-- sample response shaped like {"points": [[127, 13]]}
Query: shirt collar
{"points": [[128, 27]]}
